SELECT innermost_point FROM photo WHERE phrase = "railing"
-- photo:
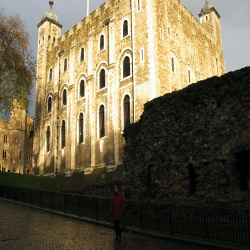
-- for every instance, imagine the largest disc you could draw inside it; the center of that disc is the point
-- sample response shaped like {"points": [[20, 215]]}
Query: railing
{"points": [[224, 224]]}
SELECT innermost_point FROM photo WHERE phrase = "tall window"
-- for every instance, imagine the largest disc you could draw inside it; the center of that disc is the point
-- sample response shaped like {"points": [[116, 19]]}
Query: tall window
{"points": [[4, 154], [142, 54], [82, 88], [101, 122], [189, 76], [49, 104], [81, 128], [48, 139], [63, 134], [102, 79], [65, 65], [125, 28], [50, 74], [126, 67], [5, 139], [126, 108], [139, 5], [20, 155], [102, 42], [82, 54], [172, 64], [64, 97]]}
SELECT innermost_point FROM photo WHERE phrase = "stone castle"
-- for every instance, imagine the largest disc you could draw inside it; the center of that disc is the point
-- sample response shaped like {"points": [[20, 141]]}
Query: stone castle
{"points": [[96, 78], [17, 141]]}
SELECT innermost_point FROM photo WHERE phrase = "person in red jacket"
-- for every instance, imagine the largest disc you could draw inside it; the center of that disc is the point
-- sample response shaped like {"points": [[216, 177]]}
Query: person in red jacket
{"points": [[117, 211]]}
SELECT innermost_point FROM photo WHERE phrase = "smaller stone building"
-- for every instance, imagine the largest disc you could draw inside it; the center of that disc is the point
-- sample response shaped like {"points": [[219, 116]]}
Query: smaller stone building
{"points": [[192, 146], [16, 141]]}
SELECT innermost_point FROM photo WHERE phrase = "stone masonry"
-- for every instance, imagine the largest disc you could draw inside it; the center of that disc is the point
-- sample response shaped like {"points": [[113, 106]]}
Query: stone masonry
{"points": [[16, 141], [192, 146], [167, 50]]}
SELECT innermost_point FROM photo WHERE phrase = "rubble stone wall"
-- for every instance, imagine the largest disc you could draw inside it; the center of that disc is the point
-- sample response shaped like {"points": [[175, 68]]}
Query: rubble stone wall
{"points": [[192, 146]]}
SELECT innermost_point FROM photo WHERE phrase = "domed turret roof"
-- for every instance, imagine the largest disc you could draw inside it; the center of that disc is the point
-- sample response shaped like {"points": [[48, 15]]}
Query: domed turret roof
{"points": [[50, 16], [206, 6]]}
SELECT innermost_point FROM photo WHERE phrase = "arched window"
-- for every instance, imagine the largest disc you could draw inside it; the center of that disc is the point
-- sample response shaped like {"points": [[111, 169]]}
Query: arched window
{"points": [[82, 88], [206, 18], [102, 79], [63, 134], [54, 39], [189, 76], [126, 108], [64, 97], [49, 104], [65, 65], [48, 139], [172, 64], [125, 28], [81, 128], [126, 67], [82, 54], [102, 42], [50, 74], [101, 122]]}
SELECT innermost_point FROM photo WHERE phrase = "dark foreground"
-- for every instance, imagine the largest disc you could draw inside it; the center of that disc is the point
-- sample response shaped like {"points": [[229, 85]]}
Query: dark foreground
{"points": [[25, 228]]}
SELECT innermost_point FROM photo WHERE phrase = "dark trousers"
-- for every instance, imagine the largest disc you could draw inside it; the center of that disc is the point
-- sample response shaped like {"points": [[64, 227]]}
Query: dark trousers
{"points": [[118, 230]]}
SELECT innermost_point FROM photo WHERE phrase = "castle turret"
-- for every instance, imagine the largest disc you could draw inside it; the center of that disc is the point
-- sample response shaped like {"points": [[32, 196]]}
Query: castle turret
{"points": [[49, 31], [210, 19]]}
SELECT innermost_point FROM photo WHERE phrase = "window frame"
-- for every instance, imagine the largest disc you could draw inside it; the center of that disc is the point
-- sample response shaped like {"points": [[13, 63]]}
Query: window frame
{"points": [[48, 139], [5, 154], [63, 134], [101, 46], [173, 64], [125, 109], [142, 56], [80, 85], [100, 134], [138, 5], [125, 21], [82, 55], [63, 98], [50, 74], [100, 78], [80, 129], [49, 105], [65, 66]]}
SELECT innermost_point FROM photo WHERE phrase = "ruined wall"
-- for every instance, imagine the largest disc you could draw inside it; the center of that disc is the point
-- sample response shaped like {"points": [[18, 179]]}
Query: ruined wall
{"points": [[193, 146]]}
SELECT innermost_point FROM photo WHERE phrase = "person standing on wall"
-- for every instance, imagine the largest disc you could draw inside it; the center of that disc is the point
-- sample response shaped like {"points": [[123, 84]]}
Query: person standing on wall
{"points": [[117, 211]]}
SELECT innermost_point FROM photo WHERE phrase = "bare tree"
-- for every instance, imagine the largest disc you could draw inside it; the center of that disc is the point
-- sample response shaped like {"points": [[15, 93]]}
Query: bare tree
{"points": [[17, 65]]}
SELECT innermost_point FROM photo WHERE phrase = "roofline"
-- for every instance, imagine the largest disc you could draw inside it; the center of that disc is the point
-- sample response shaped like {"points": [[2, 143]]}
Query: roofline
{"points": [[50, 20], [208, 11]]}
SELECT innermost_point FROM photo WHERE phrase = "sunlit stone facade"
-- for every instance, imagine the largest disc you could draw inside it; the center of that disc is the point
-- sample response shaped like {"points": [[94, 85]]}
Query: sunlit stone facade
{"points": [[97, 76]]}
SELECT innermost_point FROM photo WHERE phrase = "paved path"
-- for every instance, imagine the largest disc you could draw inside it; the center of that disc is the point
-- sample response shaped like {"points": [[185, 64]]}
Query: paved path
{"points": [[25, 228]]}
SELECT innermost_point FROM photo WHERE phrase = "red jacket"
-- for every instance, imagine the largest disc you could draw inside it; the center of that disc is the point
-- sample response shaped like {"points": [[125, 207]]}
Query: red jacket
{"points": [[116, 207]]}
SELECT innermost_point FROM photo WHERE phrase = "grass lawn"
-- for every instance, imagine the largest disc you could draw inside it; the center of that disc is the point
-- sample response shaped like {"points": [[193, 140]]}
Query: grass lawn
{"points": [[29, 181]]}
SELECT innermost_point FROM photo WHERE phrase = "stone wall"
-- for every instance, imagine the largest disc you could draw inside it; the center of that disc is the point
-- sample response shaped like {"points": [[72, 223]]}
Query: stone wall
{"points": [[168, 30], [192, 146]]}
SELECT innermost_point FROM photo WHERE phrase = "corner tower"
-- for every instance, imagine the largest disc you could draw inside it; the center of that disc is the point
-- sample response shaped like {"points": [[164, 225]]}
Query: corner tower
{"points": [[210, 19], [49, 30]]}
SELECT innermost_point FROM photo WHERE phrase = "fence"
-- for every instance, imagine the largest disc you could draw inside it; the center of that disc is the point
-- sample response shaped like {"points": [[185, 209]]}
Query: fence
{"points": [[224, 224]]}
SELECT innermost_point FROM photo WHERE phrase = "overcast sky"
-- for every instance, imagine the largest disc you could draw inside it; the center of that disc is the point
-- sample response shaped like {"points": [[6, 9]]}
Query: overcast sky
{"points": [[235, 23]]}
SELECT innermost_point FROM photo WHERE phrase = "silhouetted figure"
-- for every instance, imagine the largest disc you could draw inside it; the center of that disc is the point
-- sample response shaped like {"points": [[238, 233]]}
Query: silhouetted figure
{"points": [[117, 211]]}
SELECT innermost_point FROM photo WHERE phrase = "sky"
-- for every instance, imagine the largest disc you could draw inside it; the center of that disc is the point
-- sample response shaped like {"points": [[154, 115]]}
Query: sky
{"points": [[235, 24]]}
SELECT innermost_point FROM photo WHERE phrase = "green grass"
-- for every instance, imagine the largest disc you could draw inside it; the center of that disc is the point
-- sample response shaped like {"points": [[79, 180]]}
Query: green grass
{"points": [[29, 181]]}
